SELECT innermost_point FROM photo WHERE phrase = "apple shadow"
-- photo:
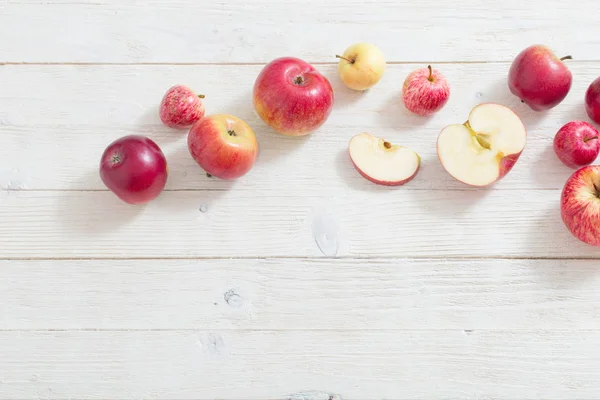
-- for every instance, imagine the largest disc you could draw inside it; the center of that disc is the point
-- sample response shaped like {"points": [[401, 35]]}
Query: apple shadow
{"points": [[92, 213], [547, 168], [343, 95], [395, 114]]}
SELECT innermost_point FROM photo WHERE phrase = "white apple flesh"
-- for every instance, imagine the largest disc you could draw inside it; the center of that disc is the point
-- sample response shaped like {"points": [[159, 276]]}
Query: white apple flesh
{"points": [[381, 162], [485, 148]]}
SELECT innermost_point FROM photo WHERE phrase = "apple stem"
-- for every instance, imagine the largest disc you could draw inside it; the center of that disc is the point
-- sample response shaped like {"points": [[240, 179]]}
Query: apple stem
{"points": [[387, 145], [430, 78], [588, 139], [597, 190], [201, 96], [566, 58], [208, 175], [344, 58]]}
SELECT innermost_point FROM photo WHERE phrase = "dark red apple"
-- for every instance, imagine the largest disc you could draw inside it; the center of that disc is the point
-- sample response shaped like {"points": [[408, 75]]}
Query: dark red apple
{"points": [[539, 78], [181, 107], [576, 144], [292, 97], [592, 101], [134, 168]]}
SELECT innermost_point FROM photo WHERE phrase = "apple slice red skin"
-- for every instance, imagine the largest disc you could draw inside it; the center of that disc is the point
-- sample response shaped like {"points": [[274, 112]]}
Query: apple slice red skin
{"points": [[386, 183]]}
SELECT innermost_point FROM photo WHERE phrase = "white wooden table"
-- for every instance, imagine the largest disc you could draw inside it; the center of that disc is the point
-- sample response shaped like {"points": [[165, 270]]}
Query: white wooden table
{"points": [[433, 290]]}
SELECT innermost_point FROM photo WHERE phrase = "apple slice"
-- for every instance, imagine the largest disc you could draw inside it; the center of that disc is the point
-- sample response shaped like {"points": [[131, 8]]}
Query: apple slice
{"points": [[485, 148], [382, 162]]}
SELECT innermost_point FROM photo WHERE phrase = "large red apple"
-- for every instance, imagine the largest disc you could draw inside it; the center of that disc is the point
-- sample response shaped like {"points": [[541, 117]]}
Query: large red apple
{"points": [[580, 204], [539, 78], [223, 145], [134, 168], [292, 97], [484, 149]]}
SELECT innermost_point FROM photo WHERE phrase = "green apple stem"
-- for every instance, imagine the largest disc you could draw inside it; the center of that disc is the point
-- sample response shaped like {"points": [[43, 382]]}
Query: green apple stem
{"points": [[344, 58], [201, 96], [588, 139], [430, 78], [566, 58]]}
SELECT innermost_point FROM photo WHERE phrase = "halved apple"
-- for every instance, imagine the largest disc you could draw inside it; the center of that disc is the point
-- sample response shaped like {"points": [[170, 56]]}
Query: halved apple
{"points": [[485, 148], [382, 162]]}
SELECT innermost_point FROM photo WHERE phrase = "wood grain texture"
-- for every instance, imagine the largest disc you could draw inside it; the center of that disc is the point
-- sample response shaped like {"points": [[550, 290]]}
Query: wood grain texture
{"points": [[290, 294], [260, 30], [274, 364], [313, 223], [60, 118]]}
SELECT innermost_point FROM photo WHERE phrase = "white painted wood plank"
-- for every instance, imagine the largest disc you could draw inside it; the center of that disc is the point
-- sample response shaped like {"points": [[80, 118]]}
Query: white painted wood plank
{"points": [[260, 30], [257, 224], [272, 365], [57, 120], [282, 294]]}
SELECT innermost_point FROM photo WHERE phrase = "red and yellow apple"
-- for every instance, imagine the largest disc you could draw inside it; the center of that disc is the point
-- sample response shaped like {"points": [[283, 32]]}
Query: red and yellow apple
{"points": [[134, 168], [381, 162], [361, 66], [292, 97], [485, 148], [580, 204], [223, 145], [539, 78]]}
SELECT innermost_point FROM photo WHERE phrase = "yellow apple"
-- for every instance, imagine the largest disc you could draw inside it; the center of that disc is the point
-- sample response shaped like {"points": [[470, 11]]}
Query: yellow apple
{"points": [[361, 66]]}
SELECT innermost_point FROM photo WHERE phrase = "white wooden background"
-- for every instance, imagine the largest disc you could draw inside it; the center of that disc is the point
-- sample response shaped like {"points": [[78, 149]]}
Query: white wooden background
{"points": [[429, 291]]}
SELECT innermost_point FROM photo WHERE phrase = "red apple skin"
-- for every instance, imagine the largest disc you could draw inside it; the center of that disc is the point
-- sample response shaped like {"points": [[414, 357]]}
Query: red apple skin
{"points": [[577, 144], [223, 145], [181, 107], [507, 163], [580, 204], [134, 168], [292, 97], [385, 183], [539, 78], [425, 91], [592, 101]]}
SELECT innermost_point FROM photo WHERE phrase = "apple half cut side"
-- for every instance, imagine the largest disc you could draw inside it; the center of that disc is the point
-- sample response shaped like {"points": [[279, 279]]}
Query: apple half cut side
{"points": [[381, 162], [485, 148]]}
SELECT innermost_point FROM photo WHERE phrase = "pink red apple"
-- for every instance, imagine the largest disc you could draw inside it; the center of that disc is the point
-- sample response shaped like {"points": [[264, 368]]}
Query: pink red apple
{"points": [[539, 78], [381, 162], [292, 97], [134, 168], [592, 101], [425, 91], [181, 107], [576, 144], [580, 204], [223, 145], [485, 148], [361, 66]]}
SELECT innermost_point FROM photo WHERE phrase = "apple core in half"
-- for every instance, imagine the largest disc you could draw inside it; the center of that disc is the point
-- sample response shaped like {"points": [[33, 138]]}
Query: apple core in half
{"points": [[485, 148]]}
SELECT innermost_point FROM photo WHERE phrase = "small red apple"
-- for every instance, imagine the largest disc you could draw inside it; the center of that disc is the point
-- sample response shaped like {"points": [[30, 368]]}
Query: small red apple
{"points": [[592, 101], [425, 91], [223, 145], [181, 107], [292, 97], [576, 144], [580, 204], [134, 168], [539, 78]]}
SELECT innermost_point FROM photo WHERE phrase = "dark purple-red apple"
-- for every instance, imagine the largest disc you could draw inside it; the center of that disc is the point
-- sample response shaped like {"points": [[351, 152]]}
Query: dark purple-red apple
{"points": [[539, 78], [592, 101], [181, 107], [576, 144], [292, 97], [134, 168]]}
